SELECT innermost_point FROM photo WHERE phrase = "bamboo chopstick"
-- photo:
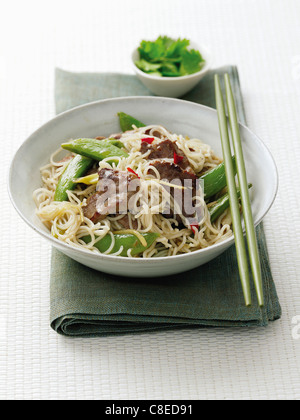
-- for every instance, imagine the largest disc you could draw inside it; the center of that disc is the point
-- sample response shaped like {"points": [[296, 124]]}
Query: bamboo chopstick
{"points": [[243, 184], [233, 199]]}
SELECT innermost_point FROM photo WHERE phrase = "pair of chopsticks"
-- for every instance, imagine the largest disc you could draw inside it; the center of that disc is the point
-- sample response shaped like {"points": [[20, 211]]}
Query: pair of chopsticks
{"points": [[233, 198]]}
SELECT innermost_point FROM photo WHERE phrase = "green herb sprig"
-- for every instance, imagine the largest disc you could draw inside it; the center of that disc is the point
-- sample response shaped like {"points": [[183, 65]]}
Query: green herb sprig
{"points": [[167, 57]]}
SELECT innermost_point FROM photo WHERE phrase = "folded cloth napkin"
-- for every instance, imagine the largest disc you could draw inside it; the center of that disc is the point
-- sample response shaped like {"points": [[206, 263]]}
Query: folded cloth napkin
{"points": [[85, 302]]}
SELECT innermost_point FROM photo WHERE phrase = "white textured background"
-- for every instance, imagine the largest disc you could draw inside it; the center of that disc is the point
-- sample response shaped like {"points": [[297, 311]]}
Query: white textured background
{"points": [[263, 38]]}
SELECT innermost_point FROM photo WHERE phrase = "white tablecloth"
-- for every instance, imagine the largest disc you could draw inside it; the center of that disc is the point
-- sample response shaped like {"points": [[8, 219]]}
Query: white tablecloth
{"points": [[262, 38]]}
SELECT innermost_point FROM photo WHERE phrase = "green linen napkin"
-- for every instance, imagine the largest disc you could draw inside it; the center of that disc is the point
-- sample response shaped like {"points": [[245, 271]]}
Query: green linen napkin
{"points": [[85, 302]]}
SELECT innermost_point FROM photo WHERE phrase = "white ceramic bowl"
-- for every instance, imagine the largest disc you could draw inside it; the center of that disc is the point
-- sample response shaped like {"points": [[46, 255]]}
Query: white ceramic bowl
{"points": [[100, 118], [173, 87]]}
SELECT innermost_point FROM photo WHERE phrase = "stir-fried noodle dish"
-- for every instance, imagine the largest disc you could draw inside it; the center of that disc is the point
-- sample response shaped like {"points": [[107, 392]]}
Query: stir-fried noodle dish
{"points": [[144, 192]]}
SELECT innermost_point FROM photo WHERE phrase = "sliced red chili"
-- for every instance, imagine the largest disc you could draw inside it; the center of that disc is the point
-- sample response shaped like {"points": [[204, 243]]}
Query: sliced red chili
{"points": [[148, 140], [195, 228], [177, 158], [132, 171]]}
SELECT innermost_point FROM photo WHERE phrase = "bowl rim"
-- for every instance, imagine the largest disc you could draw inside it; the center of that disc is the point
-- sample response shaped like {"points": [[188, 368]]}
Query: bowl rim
{"points": [[207, 65], [94, 255]]}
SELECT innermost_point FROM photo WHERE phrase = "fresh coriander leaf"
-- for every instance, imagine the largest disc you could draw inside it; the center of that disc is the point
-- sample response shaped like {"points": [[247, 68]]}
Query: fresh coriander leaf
{"points": [[156, 73], [169, 74], [169, 57], [152, 51], [175, 49], [146, 66], [169, 67], [191, 62], [166, 41], [175, 60]]}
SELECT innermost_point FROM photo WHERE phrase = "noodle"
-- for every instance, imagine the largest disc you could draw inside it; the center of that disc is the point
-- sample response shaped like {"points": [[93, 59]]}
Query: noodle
{"points": [[66, 220]]}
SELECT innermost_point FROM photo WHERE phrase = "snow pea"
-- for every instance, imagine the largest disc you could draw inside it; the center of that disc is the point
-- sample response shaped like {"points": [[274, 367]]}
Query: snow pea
{"points": [[128, 241], [114, 141], [221, 205], [77, 167], [95, 149], [215, 179], [126, 121]]}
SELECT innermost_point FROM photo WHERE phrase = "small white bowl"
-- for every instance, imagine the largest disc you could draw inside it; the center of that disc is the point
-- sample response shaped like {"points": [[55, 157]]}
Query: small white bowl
{"points": [[173, 87]]}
